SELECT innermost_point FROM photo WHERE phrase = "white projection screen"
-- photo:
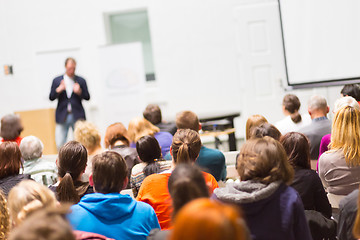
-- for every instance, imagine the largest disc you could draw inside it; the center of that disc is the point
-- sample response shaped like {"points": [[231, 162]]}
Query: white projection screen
{"points": [[321, 41]]}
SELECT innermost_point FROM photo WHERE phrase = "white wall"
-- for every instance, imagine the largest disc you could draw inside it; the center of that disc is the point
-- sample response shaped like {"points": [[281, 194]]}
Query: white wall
{"points": [[198, 63]]}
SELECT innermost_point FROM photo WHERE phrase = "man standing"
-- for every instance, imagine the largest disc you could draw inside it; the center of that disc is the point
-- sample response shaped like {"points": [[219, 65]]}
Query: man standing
{"points": [[69, 89]]}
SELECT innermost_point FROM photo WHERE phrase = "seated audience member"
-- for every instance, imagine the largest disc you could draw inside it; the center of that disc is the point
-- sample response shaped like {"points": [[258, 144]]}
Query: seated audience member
{"points": [[139, 127], [11, 128], [41, 171], [272, 209], [211, 220], [4, 218], [89, 136], [352, 90], [71, 164], [293, 120], [348, 209], [107, 212], [154, 189], [149, 153], [152, 113], [266, 129], [116, 139], [339, 168], [211, 160], [28, 197], [320, 125], [10, 164], [252, 122]]}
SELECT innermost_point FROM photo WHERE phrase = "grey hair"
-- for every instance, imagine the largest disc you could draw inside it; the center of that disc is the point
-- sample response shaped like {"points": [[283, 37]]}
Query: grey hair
{"points": [[344, 102], [31, 148], [317, 102]]}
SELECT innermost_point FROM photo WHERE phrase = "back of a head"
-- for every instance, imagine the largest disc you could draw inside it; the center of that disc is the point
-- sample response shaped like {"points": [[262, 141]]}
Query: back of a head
{"points": [[11, 127], [45, 224], [139, 127], [4, 217], [352, 90], [185, 184], [149, 151], [152, 113], [317, 102], [185, 146], [109, 172], [87, 134], [31, 148], [346, 101], [27, 197], [116, 132], [10, 159], [210, 220], [292, 104], [264, 160], [266, 129], [252, 122], [187, 120], [297, 148]]}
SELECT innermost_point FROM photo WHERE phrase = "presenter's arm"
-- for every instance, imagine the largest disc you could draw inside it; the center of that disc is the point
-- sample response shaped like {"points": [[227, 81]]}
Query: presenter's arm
{"points": [[56, 89], [84, 91]]}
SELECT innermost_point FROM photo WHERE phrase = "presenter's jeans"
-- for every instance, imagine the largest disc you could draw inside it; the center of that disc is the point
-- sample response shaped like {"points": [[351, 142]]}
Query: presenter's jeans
{"points": [[62, 129]]}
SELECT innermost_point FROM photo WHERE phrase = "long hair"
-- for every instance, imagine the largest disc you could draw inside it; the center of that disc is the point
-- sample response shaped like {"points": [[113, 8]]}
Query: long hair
{"points": [[149, 151], [185, 146], [345, 134], [10, 159], [116, 132], [292, 104], [297, 148], [139, 127], [254, 121]]}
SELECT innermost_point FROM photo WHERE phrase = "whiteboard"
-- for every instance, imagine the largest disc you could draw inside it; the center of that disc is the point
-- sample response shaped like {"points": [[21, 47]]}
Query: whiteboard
{"points": [[321, 41]]}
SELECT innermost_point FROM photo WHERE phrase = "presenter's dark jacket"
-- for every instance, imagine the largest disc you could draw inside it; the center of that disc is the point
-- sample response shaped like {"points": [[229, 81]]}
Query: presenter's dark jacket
{"points": [[75, 100]]}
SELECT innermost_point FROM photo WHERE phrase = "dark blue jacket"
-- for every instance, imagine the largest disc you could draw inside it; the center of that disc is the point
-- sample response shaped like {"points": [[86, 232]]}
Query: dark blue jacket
{"points": [[75, 100]]}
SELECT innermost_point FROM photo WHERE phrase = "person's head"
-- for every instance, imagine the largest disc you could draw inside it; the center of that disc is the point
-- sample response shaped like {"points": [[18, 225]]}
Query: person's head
{"points": [[31, 148], [109, 172], [207, 219], [254, 121], [139, 127], [297, 148], [10, 159], [116, 132], [185, 147], [266, 129], [352, 90], [346, 101], [317, 106], [291, 105], [152, 113], [27, 197], [48, 223], [71, 164], [70, 66], [88, 135], [185, 184], [149, 151], [264, 160], [11, 127], [4, 217], [345, 134], [187, 120]]}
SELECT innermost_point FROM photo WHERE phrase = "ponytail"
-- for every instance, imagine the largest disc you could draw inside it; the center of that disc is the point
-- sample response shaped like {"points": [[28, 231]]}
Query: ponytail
{"points": [[295, 117], [186, 146], [66, 191], [149, 151], [183, 154]]}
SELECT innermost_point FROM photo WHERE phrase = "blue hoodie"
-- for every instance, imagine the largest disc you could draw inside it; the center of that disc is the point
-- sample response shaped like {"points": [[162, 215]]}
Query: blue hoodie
{"points": [[113, 215]]}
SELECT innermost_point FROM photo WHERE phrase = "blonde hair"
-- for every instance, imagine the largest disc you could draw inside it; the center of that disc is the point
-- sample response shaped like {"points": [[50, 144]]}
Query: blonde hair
{"points": [[139, 127], [345, 134], [87, 134], [254, 121], [4, 217], [27, 197]]}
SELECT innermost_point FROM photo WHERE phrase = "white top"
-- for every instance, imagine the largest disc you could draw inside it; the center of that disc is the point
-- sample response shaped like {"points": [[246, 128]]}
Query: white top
{"points": [[69, 85], [287, 125]]}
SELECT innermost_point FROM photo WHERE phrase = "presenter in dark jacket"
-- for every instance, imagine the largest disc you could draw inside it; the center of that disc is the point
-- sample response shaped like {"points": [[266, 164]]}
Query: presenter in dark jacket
{"points": [[69, 89]]}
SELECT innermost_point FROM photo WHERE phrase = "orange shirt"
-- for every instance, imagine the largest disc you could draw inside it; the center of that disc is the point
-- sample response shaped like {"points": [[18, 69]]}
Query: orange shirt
{"points": [[154, 191]]}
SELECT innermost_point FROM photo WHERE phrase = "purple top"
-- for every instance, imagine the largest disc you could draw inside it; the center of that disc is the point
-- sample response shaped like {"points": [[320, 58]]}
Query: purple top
{"points": [[324, 144]]}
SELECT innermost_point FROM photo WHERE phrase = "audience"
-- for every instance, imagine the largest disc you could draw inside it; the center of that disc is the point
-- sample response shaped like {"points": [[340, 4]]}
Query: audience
{"points": [[356, 228], [348, 209], [71, 165], [139, 127], [149, 153], [211, 160], [252, 122], [108, 212], [152, 113], [320, 124], [265, 129], [4, 218], [116, 139], [10, 164], [272, 209], [154, 189], [11, 128], [42, 171], [352, 90]]}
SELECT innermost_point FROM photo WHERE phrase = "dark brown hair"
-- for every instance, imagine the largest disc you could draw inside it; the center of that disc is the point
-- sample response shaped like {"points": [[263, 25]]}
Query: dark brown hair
{"points": [[152, 113], [264, 160], [185, 146], [10, 159], [297, 148], [187, 119], [11, 127], [352, 90], [109, 172], [116, 132], [292, 104], [71, 163], [149, 151], [266, 129]]}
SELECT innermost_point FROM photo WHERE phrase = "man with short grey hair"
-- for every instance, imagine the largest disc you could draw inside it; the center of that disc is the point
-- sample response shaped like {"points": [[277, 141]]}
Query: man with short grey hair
{"points": [[41, 170], [320, 125]]}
